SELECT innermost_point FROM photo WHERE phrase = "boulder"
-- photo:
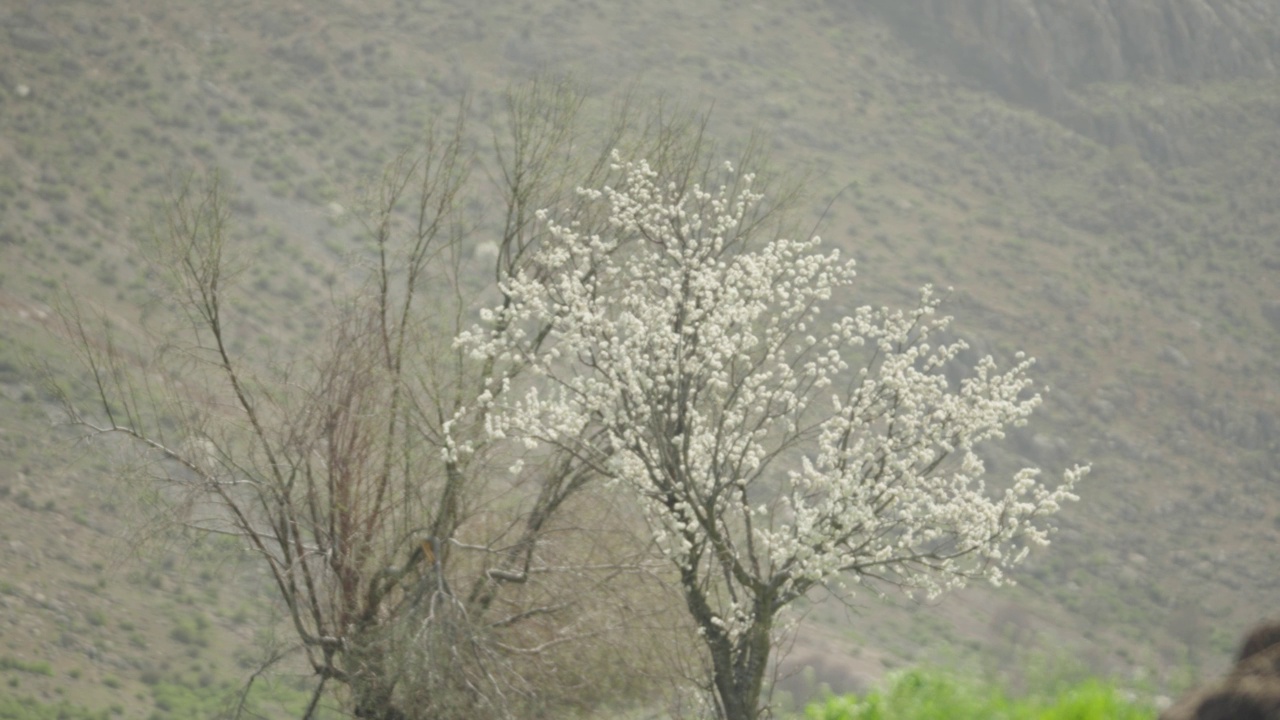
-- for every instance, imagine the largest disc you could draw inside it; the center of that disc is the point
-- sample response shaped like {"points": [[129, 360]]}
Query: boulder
{"points": [[1251, 691]]}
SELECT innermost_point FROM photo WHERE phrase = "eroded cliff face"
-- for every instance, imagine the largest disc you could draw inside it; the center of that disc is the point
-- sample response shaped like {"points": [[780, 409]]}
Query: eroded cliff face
{"points": [[1072, 42], [1080, 41], [1051, 54]]}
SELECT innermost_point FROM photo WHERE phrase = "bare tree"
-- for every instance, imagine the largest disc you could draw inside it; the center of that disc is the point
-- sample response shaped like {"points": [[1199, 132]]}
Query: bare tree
{"points": [[772, 448], [427, 569]]}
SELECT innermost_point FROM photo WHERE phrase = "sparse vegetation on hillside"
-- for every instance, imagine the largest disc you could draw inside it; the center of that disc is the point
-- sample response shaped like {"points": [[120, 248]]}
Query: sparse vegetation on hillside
{"points": [[1129, 234]]}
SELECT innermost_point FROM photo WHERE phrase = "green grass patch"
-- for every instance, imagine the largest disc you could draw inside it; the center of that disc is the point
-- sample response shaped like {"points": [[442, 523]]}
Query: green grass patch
{"points": [[174, 701], [31, 709], [38, 667], [937, 695]]}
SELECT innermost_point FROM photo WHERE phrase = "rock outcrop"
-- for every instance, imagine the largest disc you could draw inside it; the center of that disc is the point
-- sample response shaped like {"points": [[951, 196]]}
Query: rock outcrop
{"points": [[1251, 691]]}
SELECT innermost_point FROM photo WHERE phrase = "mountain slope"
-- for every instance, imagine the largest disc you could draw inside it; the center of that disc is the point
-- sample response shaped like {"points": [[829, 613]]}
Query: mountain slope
{"points": [[1098, 186]]}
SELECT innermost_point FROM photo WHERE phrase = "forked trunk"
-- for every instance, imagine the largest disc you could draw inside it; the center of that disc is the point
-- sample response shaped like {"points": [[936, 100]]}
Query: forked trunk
{"points": [[739, 678]]}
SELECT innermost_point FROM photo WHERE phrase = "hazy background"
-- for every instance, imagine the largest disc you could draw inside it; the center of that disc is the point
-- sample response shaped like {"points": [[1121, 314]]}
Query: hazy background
{"points": [[1097, 180]]}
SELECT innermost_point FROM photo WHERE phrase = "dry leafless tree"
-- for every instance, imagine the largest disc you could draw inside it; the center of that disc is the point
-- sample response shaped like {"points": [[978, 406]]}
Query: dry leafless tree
{"points": [[427, 569]]}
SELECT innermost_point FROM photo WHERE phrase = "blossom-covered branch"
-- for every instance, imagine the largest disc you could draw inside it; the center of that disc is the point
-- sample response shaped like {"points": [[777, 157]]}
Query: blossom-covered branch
{"points": [[772, 447]]}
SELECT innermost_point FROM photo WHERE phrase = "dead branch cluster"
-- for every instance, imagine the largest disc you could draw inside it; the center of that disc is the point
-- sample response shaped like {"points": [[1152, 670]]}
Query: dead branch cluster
{"points": [[420, 578]]}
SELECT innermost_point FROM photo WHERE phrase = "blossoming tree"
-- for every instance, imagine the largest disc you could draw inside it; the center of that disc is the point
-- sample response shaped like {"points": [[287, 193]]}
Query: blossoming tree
{"points": [[772, 447]]}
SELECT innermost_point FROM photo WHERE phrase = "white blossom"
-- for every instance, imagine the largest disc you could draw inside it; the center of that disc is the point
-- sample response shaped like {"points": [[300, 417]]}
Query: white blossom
{"points": [[770, 447]]}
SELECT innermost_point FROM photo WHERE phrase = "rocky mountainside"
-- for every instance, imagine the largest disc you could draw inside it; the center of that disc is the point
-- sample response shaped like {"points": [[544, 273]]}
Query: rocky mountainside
{"points": [[1036, 50], [1095, 179], [1046, 54]]}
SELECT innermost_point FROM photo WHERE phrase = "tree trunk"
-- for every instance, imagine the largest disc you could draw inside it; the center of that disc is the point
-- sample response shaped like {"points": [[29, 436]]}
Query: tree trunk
{"points": [[739, 677], [379, 708], [372, 687], [738, 665], [739, 674]]}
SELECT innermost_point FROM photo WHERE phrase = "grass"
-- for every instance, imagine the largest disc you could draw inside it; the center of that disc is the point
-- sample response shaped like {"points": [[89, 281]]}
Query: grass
{"points": [[938, 695], [31, 709], [34, 668], [194, 701], [202, 699]]}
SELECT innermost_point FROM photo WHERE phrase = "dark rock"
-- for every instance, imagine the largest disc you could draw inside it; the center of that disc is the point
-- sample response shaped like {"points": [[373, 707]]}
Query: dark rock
{"points": [[1271, 311], [1260, 640], [1251, 690], [1174, 355], [32, 39]]}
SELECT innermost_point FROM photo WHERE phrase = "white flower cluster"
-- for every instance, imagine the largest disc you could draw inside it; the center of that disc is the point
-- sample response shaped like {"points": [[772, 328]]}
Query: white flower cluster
{"points": [[773, 449]]}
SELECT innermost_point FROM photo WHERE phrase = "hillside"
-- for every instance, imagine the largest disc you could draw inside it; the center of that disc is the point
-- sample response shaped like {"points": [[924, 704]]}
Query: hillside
{"points": [[1096, 181]]}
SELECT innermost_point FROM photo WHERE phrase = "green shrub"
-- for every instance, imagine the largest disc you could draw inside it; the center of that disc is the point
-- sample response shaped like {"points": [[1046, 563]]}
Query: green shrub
{"points": [[35, 668], [192, 630], [935, 695]]}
